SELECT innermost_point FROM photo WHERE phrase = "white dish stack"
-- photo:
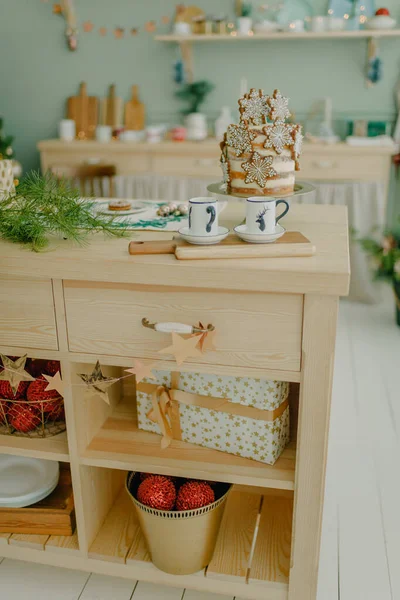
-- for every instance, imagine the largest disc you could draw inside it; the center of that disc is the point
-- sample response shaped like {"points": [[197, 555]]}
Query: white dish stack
{"points": [[25, 481]]}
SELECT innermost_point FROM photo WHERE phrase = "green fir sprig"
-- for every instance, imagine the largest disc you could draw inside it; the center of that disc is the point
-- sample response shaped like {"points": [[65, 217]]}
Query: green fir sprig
{"points": [[44, 205]]}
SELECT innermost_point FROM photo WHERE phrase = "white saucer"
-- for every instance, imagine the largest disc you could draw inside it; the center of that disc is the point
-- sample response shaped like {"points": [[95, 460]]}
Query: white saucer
{"points": [[203, 240], [25, 481], [259, 238]]}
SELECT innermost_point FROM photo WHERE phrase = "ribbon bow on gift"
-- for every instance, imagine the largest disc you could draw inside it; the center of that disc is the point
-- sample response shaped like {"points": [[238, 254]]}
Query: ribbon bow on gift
{"points": [[163, 413]]}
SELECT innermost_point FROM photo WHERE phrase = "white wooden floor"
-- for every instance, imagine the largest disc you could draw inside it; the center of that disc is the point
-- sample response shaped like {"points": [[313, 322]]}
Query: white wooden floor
{"points": [[360, 553]]}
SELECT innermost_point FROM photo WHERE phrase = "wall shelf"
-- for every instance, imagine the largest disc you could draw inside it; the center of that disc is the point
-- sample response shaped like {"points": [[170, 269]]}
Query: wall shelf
{"points": [[186, 41], [280, 35]]}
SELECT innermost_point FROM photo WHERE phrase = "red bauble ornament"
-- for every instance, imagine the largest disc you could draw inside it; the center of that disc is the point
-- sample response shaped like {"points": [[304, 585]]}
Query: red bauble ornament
{"points": [[157, 492], [194, 494], [383, 11], [52, 366], [7, 393], [23, 417]]}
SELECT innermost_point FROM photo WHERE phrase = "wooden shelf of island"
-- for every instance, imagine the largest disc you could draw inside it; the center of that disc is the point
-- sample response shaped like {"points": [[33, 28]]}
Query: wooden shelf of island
{"points": [[280, 35]]}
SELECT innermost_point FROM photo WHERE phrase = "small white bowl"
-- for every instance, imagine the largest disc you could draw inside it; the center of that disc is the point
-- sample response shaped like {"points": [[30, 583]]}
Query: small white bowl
{"points": [[336, 24], [265, 26], [380, 22]]}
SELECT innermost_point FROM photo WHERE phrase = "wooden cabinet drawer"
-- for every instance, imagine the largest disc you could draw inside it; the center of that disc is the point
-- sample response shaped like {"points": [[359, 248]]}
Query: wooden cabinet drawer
{"points": [[27, 317], [252, 330], [338, 167], [187, 166], [68, 163]]}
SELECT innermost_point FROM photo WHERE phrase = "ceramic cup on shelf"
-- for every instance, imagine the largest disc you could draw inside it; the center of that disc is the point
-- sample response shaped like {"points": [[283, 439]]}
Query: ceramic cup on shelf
{"points": [[318, 24], [296, 26], [261, 214], [203, 216], [103, 133], [67, 130], [182, 28]]}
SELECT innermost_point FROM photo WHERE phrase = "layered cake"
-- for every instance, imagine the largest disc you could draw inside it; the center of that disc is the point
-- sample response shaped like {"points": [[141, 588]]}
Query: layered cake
{"points": [[261, 154]]}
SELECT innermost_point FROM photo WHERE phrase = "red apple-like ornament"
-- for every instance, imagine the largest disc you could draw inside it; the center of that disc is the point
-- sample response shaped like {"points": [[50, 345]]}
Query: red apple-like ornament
{"points": [[157, 492], [7, 393], [50, 401], [382, 11], [23, 417], [194, 494]]}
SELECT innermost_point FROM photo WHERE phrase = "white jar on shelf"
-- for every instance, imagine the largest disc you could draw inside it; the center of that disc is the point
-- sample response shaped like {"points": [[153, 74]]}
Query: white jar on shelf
{"points": [[222, 122], [196, 124]]}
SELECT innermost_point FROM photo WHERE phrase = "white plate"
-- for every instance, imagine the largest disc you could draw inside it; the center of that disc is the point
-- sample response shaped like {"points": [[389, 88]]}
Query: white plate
{"points": [[203, 240], [300, 188], [259, 238], [137, 207], [25, 481]]}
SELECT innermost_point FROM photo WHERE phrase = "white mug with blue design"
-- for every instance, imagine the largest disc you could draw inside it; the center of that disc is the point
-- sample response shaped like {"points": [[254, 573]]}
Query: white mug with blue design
{"points": [[261, 214], [203, 216]]}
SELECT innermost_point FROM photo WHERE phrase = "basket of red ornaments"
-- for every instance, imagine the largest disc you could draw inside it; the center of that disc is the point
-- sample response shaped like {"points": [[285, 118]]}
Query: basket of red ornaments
{"points": [[180, 519], [27, 407]]}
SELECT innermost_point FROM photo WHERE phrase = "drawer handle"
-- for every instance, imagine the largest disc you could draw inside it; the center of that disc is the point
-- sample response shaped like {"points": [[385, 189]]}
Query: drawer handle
{"points": [[324, 164], [176, 327]]}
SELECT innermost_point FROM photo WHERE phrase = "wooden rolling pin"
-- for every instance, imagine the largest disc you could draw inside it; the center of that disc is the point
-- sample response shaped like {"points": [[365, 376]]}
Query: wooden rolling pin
{"points": [[292, 243]]}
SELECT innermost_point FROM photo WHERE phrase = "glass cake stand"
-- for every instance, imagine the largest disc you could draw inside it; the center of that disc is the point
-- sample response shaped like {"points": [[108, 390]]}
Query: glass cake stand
{"points": [[301, 188]]}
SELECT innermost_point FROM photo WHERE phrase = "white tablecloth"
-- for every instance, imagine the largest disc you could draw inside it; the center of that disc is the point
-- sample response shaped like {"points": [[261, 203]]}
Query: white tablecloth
{"points": [[365, 202]]}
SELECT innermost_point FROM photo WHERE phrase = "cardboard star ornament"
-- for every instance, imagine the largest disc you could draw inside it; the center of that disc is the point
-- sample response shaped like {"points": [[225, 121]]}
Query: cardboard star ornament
{"points": [[141, 370], [97, 384], [55, 383], [182, 348], [14, 372]]}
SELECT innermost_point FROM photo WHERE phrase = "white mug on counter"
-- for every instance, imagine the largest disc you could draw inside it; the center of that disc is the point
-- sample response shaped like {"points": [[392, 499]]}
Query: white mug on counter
{"points": [[67, 130], [261, 214], [103, 133], [203, 216]]}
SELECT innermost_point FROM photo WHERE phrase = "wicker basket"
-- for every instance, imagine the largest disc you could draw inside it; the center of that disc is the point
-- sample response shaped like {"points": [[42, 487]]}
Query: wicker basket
{"points": [[48, 419], [180, 542]]}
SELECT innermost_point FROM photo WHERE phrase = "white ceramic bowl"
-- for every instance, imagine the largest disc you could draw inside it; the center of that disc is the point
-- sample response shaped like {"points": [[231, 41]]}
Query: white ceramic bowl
{"points": [[380, 22], [265, 26], [336, 24]]}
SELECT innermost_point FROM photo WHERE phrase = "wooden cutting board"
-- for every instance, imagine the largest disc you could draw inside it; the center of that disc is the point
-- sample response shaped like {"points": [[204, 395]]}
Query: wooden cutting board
{"points": [[55, 515], [83, 109], [134, 112], [292, 243], [112, 109]]}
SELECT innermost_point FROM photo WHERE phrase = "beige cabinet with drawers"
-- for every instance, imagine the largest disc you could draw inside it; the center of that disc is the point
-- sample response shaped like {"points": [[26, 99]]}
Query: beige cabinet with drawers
{"points": [[274, 319], [319, 162]]}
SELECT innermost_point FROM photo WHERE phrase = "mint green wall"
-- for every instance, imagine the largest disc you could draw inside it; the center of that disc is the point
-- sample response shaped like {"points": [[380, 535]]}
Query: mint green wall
{"points": [[38, 72]]}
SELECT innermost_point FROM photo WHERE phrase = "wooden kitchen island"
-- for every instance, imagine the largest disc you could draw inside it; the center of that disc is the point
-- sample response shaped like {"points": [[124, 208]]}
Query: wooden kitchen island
{"points": [[274, 318]]}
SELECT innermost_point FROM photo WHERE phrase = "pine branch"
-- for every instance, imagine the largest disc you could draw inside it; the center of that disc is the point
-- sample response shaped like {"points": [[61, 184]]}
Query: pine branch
{"points": [[45, 205]]}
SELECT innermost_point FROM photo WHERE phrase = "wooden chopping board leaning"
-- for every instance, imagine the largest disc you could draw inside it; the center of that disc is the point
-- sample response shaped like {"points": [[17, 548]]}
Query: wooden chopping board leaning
{"points": [[135, 112], [83, 109], [111, 109]]}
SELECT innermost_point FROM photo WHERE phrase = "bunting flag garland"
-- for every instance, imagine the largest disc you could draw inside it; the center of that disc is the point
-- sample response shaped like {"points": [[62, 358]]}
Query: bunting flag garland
{"points": [[14, 371], [97, 384], [141, 371], [66, 8], [55, 383], [182, 348]]}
